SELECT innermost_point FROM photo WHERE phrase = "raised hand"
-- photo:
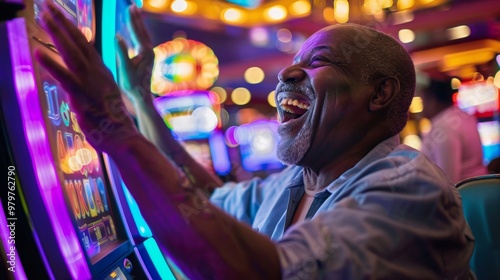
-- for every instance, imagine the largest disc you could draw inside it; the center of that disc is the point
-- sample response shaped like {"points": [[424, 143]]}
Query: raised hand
{"points": [[135, 73], [94, 95]]}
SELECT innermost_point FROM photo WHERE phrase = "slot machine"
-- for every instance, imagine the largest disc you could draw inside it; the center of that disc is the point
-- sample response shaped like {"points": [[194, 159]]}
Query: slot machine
{"points": [[258, 142], [482, 99], [194, 118], [69, 216]]}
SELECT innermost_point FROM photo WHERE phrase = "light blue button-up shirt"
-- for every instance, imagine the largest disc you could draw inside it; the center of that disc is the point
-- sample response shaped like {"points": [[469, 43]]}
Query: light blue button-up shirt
{"points": [[393, 215]]}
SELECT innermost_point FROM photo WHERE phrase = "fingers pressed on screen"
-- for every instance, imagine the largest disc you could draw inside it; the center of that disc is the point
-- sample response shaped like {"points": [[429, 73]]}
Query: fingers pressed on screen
{"points": [[68, 39], [57, 70]]}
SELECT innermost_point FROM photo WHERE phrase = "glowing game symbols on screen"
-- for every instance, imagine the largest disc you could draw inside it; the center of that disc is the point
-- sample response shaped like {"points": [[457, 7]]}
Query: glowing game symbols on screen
{"points": [[183, 64]]}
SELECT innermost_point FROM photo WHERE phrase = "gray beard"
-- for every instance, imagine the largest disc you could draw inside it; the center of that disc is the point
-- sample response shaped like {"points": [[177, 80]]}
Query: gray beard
{"points": [[293, 153]]}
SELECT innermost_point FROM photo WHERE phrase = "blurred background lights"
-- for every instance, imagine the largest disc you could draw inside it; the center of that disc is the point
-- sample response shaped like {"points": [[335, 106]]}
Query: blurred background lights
{"points": [[254, 75], [157, 3], [341, 10], [458, 32], [275, 13], [455, 83], [270, 98], [263, 142], [496, 80], [221, 92], [284, 35], [179, 6], [416, 105], [205, 118], [402, 17], [413, 141], [329, 14], [240, 96], [300, 7], [406, 35], [259, 36], [425, 126], [405, 4], [230, 136], [233, 15]]}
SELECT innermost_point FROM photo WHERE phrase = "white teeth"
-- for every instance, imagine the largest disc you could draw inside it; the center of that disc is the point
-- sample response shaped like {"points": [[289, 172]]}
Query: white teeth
{"points": [[294, 102]]}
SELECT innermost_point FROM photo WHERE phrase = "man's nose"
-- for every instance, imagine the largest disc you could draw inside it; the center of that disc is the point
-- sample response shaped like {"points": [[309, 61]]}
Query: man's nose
{"points": [[290, 74]]}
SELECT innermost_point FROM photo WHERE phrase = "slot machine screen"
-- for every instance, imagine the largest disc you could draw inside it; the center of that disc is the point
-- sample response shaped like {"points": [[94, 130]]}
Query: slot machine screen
{"points": [[489, 131], [79, 12], [81, 174]]}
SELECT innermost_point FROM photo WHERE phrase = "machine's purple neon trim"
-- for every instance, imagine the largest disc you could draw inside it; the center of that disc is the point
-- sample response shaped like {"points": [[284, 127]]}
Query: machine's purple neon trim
{"points": [[39, 148]]}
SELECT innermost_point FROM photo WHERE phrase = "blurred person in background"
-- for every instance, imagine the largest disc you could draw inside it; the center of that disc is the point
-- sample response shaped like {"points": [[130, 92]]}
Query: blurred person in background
{"points": [[453, 142]]}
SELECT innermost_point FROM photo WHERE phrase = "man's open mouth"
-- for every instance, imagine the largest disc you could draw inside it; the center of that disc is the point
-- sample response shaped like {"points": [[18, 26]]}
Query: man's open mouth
{"points": [[293, 108]]}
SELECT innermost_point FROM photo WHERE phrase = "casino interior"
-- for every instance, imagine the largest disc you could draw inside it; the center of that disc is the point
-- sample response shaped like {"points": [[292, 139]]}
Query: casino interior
{"points": [[216, 67]]}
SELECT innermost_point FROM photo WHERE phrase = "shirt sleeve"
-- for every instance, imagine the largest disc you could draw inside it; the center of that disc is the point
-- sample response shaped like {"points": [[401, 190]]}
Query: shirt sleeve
{"points": [[381, 234]]}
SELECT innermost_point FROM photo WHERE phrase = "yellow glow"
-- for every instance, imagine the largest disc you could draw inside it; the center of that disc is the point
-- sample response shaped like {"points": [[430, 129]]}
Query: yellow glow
{"points": [[472, 57], [386, 3], [413, 141], [83, 156], [275, 13], [157, 3], [496, 80], [300, 7], [458, 32], [241, 96], [221, 92], [425, 126], [425, 2], [406, 35], [371, 7], [455, 83], [416, 105], [233, 15], [179, 6], [341, 10], [405, 4], [87, 32], [270, 98], [477, 77], [254, 75], [402, 17], [328, 14]]}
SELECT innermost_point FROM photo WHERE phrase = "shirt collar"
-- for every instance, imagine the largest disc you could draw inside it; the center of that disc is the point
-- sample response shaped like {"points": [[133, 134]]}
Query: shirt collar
{"points": [[381, 150]]}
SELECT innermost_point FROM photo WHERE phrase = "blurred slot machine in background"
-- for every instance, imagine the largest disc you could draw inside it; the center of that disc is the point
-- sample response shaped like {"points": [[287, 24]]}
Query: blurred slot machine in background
{"points": [[194, 118], [66, 208], [482, 99], [257, 142]]}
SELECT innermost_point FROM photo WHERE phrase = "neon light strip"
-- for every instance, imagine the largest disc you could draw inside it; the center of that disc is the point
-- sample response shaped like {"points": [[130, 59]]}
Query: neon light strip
{"points": [[108, 35], [158, 259], [5, 232], [39, 148]]}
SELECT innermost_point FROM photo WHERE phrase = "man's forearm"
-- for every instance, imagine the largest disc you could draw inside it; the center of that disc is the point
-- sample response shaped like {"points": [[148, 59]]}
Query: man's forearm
{"points": [[153, 127], [203, 240]]}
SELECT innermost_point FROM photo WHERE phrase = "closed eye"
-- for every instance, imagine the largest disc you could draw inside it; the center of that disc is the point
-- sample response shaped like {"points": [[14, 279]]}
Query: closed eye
{"points": [[317, 61]]}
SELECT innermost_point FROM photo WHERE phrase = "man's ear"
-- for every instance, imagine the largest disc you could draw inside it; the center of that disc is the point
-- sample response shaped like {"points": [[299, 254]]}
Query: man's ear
{"points": [[385, 91]]}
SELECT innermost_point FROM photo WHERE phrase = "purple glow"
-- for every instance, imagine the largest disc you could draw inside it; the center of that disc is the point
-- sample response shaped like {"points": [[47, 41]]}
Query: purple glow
{"points": [[498, 59], [4, 232], [34, 129]]}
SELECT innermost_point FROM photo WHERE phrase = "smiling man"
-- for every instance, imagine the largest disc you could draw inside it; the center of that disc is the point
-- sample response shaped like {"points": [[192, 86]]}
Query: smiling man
{"points": [[353, 203]]}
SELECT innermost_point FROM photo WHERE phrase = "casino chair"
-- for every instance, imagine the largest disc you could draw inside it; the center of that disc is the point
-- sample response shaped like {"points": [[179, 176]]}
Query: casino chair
{"points": [[481, 207]]}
